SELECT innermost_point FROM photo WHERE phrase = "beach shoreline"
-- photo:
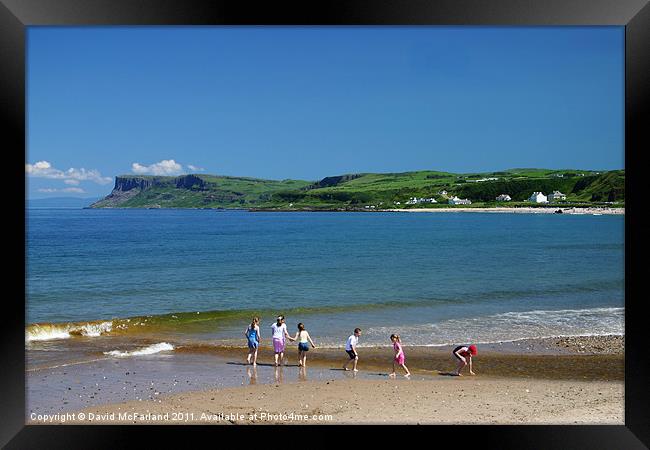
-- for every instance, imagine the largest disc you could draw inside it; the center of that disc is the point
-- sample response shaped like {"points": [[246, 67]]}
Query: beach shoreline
{"points": [[447, 209], [562, 380], [560, 358], [520, 210]]}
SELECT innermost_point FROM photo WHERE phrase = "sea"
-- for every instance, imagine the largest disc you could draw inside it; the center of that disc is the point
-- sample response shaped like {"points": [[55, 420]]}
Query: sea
{"points": [[112, 285]]}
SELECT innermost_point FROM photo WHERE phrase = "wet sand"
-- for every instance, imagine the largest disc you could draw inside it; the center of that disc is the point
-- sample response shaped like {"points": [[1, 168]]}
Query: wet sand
{"points": [[552, 381], [577, 358]]}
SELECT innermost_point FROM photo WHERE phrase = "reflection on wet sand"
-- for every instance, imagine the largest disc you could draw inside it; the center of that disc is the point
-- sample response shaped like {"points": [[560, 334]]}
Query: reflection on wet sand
{"points": [[252, 374], [278, 376]]}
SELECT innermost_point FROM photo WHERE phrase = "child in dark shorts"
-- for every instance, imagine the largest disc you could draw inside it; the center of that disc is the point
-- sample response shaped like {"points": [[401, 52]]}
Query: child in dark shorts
{"points": [[303, 338], [351, 349], [463, 354]]}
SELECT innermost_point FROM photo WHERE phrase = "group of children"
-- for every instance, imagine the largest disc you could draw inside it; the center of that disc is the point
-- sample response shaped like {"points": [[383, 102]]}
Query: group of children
{"points": [[279, 334]]}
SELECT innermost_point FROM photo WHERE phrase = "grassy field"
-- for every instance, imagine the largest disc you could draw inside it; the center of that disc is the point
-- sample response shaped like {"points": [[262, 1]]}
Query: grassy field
{"points": [[367, 190]]}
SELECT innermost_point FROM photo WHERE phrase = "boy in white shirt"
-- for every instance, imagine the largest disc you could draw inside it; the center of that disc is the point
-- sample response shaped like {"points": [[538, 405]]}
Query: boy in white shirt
{"points": [[351, 349]]}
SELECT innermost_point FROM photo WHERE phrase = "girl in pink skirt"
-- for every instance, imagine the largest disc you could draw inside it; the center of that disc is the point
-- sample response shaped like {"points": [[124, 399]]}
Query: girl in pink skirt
{"points": [[399, 355], [279, 333]]}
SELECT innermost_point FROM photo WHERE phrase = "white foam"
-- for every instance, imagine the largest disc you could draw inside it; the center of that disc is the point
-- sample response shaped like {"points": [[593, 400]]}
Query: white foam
{"points": [[510, 326], [150, 350], [96, 329], [45, 335], [48, 332]]}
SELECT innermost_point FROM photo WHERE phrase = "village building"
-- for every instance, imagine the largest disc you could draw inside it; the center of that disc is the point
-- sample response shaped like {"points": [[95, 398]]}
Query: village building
{"points": [[415, 200], [555, 196], [538, 197], [503, 198], [458, 201], [482, 180]]}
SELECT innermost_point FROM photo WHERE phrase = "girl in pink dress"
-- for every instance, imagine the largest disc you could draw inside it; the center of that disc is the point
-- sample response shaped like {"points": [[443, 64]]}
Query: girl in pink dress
{"points": [[399, 355]]}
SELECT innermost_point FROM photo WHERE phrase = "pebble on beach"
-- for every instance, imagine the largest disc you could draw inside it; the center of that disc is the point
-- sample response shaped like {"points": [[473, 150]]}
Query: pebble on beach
{"points": [[592, 344]]}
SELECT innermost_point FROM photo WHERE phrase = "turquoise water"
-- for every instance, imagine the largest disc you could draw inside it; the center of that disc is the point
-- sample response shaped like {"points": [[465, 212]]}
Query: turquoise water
{"points": [[433, 278]]}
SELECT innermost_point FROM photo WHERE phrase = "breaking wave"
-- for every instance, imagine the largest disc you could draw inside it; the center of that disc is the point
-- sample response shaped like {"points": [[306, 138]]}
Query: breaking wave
{"points": [[150, 350], [509, 326], [52, 331]]}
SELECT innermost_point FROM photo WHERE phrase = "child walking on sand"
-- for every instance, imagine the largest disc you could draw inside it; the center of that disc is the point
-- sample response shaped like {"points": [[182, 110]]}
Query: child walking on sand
{"points": [[399, 358], [279, 332], [464, 355], [303, 338], [351, 349], [252, 334]]}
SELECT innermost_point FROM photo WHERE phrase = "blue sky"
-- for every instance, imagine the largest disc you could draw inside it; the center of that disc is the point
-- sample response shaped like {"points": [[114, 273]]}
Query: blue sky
{"points": [[310, 102]]}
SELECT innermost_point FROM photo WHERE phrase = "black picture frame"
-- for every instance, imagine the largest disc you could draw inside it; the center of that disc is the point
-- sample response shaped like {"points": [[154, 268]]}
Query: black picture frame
{"points": [[16, 15]]}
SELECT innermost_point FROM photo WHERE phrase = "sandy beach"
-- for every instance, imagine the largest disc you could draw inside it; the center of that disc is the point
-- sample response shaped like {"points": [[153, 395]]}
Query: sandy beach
{"points": [[520, 210], [575, 380], [465, 400]]}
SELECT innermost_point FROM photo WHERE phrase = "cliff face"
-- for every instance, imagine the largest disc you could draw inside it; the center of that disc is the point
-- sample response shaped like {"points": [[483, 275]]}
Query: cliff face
{"points": [[127, 183], [190, 182], [182, 182], [127, 187]]}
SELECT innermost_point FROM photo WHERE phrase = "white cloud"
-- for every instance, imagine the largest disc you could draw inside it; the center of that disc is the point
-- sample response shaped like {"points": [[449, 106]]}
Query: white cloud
{"points": [[164, 167], [43, 169], [87, 175], [73, 190], [195, 168]]}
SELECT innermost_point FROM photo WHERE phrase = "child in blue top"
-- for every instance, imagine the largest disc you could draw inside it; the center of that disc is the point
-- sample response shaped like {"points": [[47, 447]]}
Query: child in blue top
{"points": [[252, 333]]}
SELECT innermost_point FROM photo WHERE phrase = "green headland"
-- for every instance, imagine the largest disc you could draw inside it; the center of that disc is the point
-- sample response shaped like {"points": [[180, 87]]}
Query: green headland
{"points": [[371, 191]]}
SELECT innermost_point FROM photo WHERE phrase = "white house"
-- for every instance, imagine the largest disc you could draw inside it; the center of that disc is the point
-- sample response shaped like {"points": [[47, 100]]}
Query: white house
{"points": [[458, 201], [503, 198], [538, 197], [555, 196], [443, 192], [415, 200], [482, 180]]}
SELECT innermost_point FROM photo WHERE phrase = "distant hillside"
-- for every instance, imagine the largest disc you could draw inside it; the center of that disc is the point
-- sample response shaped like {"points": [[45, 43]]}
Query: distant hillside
{"points": [[193, 191], [605, 187], [363, 190]]}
